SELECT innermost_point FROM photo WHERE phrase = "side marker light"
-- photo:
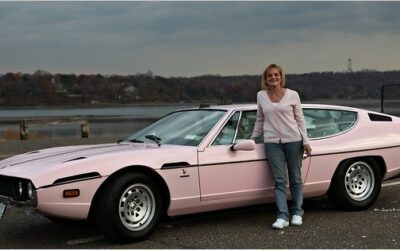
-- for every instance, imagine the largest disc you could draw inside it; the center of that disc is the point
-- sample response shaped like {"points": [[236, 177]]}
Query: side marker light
{"points": [[70, 193]]}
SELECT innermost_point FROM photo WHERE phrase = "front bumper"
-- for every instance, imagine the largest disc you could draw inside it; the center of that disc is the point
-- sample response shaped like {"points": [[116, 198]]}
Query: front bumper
{"points": [[10, 201]]}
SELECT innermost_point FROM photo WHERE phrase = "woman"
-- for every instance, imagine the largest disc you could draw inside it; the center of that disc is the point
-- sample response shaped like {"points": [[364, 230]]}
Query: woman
{"points": [[280, 118]]}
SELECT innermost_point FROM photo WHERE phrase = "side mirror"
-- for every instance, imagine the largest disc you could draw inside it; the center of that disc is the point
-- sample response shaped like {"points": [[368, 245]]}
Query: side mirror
{"points": [[246, 145]]}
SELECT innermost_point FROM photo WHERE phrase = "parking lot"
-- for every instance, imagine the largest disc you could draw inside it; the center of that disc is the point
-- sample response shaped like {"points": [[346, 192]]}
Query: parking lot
{"points": [[249, 227]]}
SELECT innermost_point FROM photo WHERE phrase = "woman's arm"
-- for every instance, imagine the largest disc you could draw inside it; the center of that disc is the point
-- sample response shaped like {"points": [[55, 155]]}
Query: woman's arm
{"points": [[259, 123], [298, 115]]}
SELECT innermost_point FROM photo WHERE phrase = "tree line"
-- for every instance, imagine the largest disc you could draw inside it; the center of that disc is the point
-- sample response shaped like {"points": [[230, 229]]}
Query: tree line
{"points": [[44, 88]]}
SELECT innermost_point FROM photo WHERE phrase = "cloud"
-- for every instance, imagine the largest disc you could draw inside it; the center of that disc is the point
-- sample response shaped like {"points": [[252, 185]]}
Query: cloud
{"points": [[124, 36]]}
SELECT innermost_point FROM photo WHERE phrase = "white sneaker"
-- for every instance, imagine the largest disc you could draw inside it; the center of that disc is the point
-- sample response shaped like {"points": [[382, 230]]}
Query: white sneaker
{"points": [[280, 224], [297, 220]]}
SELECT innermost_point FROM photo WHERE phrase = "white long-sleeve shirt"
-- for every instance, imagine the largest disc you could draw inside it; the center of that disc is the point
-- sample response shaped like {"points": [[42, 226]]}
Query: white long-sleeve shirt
{"points": [[283, 122]]}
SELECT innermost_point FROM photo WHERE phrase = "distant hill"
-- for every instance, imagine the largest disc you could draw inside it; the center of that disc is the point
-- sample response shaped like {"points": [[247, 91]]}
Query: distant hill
{"points": [[43, 88]]}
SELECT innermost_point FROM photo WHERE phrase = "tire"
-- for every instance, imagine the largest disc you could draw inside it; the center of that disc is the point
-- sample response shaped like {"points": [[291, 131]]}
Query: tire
{"points": [[356, 185], [129, 208]]}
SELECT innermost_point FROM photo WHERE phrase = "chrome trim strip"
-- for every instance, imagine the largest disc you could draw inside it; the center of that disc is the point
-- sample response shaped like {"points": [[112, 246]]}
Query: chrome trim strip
{"points": [[222, 127], [237, 127]]}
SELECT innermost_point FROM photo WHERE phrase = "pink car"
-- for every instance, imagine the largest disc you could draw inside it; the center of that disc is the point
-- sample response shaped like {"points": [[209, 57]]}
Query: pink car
{"points": [[200, 160]]}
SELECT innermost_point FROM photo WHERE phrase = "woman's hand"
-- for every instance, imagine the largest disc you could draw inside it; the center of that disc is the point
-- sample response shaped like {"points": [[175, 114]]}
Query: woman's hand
{"points": [[307, 149]]}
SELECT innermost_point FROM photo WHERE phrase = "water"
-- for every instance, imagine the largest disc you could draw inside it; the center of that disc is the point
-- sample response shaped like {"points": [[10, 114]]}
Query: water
{"points": [[129, 111], [103, 122]]}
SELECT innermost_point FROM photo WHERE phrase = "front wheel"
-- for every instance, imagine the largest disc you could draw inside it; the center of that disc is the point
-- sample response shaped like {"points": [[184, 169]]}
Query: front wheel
{"points": [[129, 208], [356, 185]]}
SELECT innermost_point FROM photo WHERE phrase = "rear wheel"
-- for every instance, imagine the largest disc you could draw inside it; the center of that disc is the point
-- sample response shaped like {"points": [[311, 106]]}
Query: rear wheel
{"points": [[129, 208], [356, 184]]}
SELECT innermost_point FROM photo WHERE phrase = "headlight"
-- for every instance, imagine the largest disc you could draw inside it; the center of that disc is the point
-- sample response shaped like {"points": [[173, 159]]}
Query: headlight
{"points": [[20, 188], [30, 190], [24, 190], [17, 189]]}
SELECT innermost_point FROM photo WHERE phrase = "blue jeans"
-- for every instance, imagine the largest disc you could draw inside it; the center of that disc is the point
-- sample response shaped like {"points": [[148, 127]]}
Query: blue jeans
{"points": [[282, 156]]}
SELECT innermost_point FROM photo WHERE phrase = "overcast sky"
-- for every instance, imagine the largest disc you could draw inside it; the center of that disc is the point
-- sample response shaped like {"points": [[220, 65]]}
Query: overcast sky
{"points": [[197, 38]]}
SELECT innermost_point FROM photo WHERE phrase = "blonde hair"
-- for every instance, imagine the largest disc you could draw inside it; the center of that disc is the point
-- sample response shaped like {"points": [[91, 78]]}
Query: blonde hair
{"points": [[264, 84]]}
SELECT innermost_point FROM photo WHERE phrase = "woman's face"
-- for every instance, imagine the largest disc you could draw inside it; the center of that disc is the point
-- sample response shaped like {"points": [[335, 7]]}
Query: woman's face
{"points": [[273, 78]]}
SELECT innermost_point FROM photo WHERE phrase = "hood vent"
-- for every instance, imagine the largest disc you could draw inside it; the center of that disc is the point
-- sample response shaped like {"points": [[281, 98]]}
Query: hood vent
{"points": [[76, 159]]}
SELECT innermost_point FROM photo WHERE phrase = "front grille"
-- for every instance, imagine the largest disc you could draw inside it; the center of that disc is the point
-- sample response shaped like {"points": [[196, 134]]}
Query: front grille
{"points": [[7, 186]]}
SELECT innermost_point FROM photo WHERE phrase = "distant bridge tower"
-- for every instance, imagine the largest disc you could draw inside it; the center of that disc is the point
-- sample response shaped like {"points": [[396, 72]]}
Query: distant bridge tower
{"points": [[349, 67]]}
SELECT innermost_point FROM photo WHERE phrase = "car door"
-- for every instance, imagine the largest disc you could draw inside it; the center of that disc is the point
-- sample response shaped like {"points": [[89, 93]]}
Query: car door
{"points": [[236, 175]]}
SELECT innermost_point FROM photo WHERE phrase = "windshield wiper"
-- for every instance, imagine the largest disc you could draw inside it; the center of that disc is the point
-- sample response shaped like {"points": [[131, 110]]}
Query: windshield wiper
{"points": [[136, 140], [154, 138]]}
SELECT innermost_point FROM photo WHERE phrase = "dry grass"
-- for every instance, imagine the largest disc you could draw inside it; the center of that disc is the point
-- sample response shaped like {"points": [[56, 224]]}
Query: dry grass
{"points": [[11, 134]]}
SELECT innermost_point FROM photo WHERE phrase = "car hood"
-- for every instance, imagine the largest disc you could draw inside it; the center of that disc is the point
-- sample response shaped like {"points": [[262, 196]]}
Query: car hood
{"points": [[57, 155], [47, 165]]}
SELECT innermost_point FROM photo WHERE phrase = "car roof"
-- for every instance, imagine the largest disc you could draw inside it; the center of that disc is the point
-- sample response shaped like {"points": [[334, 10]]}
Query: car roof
{"points": [[249, 106]]}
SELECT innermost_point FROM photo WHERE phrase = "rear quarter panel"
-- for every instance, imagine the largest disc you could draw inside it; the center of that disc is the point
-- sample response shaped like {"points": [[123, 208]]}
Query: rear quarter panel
{"points": [[365, 139]]}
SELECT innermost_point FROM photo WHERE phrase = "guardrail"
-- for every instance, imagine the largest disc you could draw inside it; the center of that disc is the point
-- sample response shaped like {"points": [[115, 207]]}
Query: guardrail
{"points": [[26, 123]]}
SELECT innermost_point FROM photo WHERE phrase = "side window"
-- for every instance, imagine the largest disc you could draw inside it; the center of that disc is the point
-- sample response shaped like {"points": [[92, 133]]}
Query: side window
{"points": [[246, 126], [227, 134], [324, 122]]}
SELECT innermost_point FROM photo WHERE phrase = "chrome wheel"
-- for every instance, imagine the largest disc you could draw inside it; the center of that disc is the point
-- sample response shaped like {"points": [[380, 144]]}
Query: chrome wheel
{"points": [[137, 207], [359, 181]]}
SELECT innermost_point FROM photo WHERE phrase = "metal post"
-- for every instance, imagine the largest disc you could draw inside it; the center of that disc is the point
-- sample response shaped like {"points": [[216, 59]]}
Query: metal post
{"points": [[85, 130], [23, 130]]}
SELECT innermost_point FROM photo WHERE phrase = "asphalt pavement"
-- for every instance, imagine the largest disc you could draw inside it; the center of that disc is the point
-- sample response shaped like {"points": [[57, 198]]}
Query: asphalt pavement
{"points": [[249, 227]]}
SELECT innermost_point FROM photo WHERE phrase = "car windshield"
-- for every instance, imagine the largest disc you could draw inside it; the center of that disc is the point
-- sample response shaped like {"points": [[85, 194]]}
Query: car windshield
{"points": [[187, 127]]}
